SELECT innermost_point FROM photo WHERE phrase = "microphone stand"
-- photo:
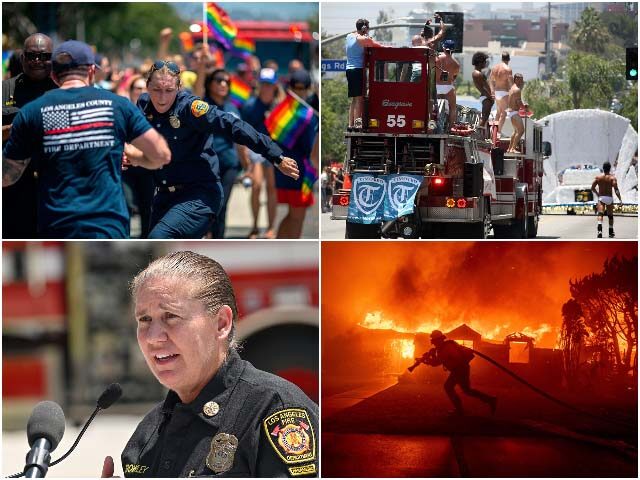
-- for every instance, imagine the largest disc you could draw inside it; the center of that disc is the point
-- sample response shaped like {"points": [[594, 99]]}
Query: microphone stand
{"points": [[43, 467]]}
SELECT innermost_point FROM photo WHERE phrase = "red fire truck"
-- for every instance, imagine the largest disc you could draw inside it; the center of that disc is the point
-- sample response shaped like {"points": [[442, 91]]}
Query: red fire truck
{"points": [[412, 176]]}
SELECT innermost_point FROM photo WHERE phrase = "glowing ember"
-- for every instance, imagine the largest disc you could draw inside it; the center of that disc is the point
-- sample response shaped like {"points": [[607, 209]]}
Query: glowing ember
{"points": [[405, 347]]}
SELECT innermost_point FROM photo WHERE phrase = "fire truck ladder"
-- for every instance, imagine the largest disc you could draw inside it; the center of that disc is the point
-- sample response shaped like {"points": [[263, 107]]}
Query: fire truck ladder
{"points": [[471, 149]]}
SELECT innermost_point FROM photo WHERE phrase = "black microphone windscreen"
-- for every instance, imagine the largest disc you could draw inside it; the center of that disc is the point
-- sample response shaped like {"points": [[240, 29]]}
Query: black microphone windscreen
{"points": [[110, 395], [46, 421]]}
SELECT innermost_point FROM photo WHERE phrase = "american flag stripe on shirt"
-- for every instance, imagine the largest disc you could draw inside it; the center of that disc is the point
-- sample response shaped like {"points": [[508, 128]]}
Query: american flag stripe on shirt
{"points": [[63, 127]]}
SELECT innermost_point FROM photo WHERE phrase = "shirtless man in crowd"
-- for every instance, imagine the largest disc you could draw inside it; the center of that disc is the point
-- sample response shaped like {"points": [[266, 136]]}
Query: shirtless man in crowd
{"points": [[606, 183], [445, 63], [501, 80], [514, 105]]}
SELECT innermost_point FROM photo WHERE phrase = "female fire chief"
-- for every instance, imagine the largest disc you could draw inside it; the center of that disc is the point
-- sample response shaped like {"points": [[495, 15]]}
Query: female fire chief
{"points": [[221, 416], [188, 190]]}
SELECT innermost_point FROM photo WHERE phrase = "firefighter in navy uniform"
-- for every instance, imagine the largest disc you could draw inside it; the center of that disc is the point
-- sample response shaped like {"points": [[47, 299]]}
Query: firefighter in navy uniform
{"points": [[222, 416], [456, 359], [188, 191], [244, 423]]}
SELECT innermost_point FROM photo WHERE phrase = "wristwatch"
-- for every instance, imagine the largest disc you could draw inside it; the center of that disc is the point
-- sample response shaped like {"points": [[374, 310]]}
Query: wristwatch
{"points": [[279, 160]]}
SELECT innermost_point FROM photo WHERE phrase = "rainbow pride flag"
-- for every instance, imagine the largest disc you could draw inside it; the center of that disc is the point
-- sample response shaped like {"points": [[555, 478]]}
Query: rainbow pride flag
{"points": [[308, 179], [288, 120], [220, 26], [239, 92], [243, 47]]}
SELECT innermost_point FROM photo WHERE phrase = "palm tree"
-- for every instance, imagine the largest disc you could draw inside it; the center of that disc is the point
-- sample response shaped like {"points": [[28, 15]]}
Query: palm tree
{"points": [[589, 34]]}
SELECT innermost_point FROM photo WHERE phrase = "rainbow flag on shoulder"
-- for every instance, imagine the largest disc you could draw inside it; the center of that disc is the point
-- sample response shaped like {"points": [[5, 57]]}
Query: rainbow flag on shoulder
{"points": [[220, 26], [288, 120], [239, 92], [243, 47]]}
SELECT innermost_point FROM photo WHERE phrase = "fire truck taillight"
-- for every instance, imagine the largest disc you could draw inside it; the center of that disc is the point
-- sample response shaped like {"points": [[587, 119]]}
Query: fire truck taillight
{"points": [[373, 123], [438, 181], [344, 200], [417, 124], [462, 203], [451, 203]]}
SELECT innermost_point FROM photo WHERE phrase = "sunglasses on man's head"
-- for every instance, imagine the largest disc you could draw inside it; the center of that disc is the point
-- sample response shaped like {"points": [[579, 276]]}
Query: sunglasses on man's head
{"points": [[37, 56], [172, 66]]}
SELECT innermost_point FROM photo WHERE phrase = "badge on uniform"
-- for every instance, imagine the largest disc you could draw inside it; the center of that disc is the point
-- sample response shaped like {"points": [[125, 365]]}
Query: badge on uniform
{"points": [[174, 121], [222, 453], [291, 435], [199, 108]]}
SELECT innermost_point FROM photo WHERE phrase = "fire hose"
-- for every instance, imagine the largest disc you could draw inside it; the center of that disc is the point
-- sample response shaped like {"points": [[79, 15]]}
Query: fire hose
{"points": [[429, 357]]}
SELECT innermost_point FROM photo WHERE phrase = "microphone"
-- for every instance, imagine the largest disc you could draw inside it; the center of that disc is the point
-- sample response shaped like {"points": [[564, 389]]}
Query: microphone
{"points": [[44, 432], [110, 395]]}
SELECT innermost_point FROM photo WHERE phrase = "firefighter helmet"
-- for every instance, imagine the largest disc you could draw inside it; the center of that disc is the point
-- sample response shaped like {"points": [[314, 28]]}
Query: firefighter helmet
{"points": [[437, 335]]}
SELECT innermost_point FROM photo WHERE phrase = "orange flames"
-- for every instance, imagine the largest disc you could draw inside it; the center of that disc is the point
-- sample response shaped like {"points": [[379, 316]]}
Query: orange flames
{"points": [[378, 321], [406, 348]]}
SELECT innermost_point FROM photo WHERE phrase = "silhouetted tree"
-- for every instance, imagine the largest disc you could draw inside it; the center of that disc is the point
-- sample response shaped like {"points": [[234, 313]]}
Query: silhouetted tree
{"points": [[572, 337], [609, 305]]}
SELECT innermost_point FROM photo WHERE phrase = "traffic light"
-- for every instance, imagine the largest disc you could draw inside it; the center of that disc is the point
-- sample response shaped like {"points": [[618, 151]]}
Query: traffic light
{"points": [[632, 63]]}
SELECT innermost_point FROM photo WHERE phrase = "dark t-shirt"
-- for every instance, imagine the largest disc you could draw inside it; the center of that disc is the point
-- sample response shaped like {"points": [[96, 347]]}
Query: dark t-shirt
{"points": [[254, 113], [223, 145], [76, 137], [19, 201]]}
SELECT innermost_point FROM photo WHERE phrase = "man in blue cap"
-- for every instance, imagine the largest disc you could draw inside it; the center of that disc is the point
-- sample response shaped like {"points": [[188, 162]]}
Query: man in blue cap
{"points": [[447, 70], [76, 135], [254, 112]]}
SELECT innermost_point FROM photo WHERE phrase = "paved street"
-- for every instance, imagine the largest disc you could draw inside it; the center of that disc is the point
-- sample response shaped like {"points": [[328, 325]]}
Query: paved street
{"points": [[569, 227], [404, 431], [240, 220]]}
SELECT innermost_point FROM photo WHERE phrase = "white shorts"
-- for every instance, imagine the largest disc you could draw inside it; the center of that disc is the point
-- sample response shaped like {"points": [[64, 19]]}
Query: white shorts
{"points": [[443, 89], [511, 113], [500, 94], [607, 200]]}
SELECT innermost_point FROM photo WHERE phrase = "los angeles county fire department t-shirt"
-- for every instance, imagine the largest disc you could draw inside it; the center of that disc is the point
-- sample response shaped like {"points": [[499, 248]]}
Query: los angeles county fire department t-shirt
{"points": [[77, 136]]}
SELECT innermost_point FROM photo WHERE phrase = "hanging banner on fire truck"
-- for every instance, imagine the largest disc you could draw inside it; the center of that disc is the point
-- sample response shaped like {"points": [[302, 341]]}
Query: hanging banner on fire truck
{"points": [[367, 205], [401, 193], [379, 198]]}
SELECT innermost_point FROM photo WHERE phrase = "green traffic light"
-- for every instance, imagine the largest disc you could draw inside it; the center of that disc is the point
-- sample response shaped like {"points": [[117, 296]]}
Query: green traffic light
{"points": [[633, 72]]}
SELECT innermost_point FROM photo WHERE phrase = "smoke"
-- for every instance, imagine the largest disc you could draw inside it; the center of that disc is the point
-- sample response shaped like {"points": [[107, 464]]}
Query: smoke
{"points": [[496, 288]]}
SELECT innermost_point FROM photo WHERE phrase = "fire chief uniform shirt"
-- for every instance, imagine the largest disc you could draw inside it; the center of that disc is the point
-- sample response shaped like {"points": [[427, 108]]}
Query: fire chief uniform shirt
{"points": [[244, 423], [189, 192], [76, 137]]}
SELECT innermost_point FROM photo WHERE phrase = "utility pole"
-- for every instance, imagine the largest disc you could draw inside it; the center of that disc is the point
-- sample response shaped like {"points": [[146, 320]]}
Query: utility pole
{"points": [[547, 47]]}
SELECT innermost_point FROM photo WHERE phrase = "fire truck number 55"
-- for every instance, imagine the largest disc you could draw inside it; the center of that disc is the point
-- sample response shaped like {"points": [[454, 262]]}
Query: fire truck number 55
{"points": [[395, 121]]}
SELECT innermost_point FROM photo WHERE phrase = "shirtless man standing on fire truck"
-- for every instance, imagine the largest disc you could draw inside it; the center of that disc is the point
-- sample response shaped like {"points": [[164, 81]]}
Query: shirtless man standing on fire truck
{"points": [[513, 112], [501, 79], [479, 61], [447, 70], [605, 183]]}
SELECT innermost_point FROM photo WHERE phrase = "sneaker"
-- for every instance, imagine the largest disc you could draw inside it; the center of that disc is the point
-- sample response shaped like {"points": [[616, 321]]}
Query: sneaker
{"points": [[357, 124], [599, 234], [611, 234]]}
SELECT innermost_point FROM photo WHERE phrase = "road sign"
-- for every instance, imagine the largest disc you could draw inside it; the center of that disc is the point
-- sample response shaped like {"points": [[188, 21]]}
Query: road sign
{"points": [[334, 65]]}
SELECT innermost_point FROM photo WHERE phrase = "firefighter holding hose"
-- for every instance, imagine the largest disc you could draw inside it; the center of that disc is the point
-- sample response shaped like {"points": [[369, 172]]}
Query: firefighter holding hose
{"points": [[455, 358]]}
